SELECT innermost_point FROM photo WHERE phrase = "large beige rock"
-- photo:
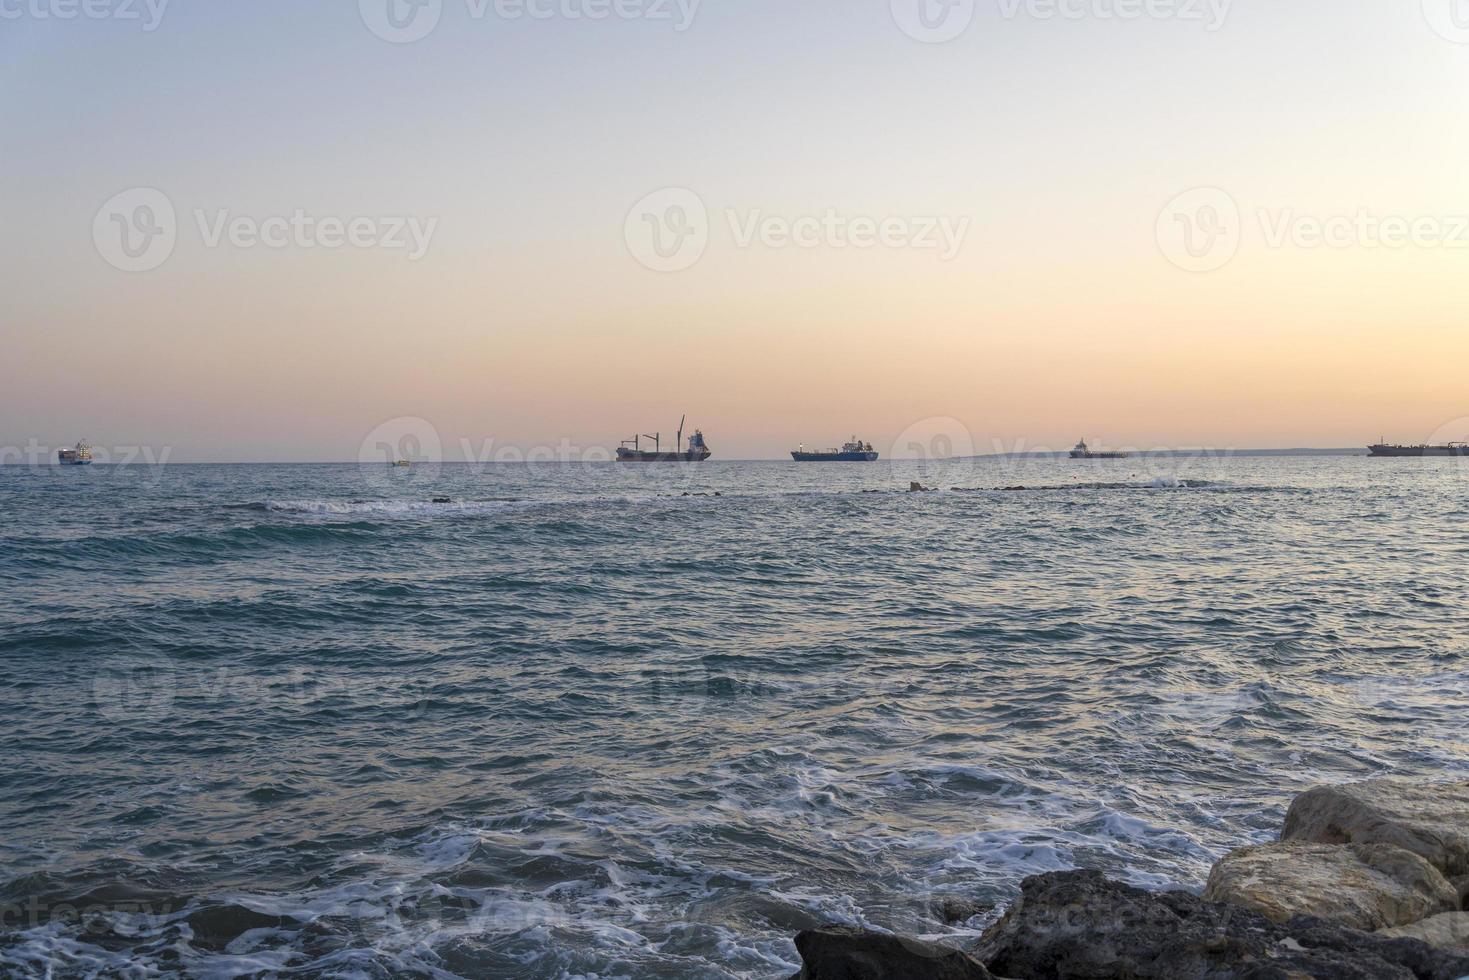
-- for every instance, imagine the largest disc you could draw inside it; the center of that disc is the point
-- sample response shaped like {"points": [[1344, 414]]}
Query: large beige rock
{"points": [[1365, 886], [1429, 819], [1449, 930]]}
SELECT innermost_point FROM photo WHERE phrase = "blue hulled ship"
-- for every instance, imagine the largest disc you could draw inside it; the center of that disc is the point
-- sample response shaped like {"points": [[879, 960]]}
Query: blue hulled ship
{"points": [[855, 451]]}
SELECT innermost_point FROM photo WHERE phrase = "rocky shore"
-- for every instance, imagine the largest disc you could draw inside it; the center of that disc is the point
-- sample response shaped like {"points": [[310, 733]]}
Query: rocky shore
{"points": [[1368, 880]]}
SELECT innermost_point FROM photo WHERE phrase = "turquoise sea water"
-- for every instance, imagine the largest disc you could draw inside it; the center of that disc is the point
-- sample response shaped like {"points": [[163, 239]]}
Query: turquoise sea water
{"points": [[303, 721]]}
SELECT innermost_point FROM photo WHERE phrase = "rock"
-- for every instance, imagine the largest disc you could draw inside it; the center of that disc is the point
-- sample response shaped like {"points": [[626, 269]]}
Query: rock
{"points": [[1449, 930], [1078, 924], [216, 926], [1429, 819], [844, 953], [956, 908], [1365, 886], [1461, 885]]}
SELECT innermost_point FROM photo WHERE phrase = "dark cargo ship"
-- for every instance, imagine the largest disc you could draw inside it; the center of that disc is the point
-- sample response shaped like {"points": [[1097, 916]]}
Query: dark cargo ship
{"points": [[1082, 451], [855, 451], [632, 451], [1452, 449]]}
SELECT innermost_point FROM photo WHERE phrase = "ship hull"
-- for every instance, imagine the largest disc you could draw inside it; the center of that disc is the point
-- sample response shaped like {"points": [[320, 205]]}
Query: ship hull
{"points": [[637, 456], [801, 457], [74, 462], [1076, 455], [1417, 451]]}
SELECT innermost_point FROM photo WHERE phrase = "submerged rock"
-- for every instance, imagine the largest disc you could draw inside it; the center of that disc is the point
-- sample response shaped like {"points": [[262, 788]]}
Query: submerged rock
{"points": [[956, 908], [1078, 924], [1429, 819], [1449, 930], [1365, 886], [216, 926], [844, 953]]}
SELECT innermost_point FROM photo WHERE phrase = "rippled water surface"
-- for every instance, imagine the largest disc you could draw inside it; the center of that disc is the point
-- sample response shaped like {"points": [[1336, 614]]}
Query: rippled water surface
{"points": [[303, 721]]}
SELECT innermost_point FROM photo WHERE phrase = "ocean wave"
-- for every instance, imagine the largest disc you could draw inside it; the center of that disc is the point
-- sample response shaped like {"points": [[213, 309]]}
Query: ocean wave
{"points": [[390, 508]]}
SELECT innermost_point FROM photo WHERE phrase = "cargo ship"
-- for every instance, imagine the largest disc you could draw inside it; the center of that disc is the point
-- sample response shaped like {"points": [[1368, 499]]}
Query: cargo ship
{"points": [[632, 451], [1452, 449], [855, 451], [1082, 451], [80, 456]]}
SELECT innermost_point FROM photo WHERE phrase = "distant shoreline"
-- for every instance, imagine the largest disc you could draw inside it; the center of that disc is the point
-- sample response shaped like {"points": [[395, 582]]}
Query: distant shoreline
{"points": [[1048, 454]]}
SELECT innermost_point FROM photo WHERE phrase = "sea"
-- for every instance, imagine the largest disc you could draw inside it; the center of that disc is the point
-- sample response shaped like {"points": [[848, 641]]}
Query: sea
{"points": [[601, 721]]}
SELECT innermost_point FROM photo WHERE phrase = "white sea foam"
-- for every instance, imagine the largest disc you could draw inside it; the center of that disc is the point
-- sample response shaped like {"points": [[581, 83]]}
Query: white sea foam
{"points": [[389, 508]]}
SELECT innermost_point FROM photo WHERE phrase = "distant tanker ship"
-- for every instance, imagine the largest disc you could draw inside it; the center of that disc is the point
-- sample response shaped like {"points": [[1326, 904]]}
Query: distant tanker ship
{"points": [[855, 451], [1451, 449], [1083, 451]]}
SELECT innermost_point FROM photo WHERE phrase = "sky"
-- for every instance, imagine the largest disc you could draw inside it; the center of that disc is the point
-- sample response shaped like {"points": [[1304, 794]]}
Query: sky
{"points": [[273, 231]]}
